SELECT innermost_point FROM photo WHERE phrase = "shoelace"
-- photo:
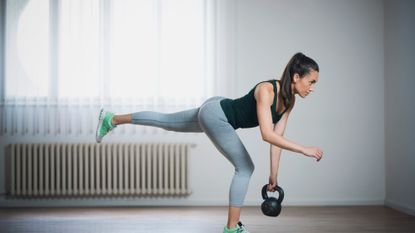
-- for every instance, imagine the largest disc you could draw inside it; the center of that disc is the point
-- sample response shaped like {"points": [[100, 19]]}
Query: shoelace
{"points": [[241, 228]]}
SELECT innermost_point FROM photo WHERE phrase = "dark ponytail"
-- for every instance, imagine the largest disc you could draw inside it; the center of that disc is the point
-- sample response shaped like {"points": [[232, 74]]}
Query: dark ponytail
{"points": [[299, 64]]}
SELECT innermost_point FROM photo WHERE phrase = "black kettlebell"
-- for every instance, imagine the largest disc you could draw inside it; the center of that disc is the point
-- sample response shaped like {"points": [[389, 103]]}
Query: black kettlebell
{"points": [[271, 205]]}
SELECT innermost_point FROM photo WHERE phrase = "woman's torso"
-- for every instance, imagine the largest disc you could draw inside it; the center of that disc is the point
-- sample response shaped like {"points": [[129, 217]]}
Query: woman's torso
{"points": [[242, 113]]}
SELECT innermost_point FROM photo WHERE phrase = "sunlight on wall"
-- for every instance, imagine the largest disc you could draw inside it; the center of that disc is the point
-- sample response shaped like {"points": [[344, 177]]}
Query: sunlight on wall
{"points": [[33, 50], [78, 48]]}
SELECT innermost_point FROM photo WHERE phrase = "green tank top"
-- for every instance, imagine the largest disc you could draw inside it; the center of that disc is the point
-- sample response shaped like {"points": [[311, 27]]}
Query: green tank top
{"points": [[241, 112]]}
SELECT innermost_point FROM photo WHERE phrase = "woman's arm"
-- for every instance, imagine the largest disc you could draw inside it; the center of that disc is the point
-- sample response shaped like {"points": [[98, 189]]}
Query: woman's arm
{"points": [[264, 99], [275, 152]]}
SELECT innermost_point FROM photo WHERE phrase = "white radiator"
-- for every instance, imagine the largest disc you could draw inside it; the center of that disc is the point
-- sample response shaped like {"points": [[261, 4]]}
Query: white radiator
{"points": [[71, 170]]}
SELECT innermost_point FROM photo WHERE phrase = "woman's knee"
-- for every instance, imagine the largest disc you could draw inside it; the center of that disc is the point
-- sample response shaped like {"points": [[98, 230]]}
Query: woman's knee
{"points": [[246, 170], [251, 168]]}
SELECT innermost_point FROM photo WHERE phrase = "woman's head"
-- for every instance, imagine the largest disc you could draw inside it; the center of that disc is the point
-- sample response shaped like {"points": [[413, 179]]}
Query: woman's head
{"points": [[299, 77]]}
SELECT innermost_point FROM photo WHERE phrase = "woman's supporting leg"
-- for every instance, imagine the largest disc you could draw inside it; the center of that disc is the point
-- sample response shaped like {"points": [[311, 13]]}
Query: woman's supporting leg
{"points": [[234, 214], [216, 126]]}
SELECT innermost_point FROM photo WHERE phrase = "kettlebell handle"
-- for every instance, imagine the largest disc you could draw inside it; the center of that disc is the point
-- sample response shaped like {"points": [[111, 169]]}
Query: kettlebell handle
{"points": [[277, 188]]}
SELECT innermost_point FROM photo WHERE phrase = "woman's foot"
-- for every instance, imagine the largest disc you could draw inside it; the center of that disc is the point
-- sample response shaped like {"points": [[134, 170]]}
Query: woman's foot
{"points": [[239, 228], [105, 124]]}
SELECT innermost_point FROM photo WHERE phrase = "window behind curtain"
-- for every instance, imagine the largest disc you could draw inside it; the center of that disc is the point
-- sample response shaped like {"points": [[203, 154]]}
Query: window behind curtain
{"points": [[66, 58], [107, 49]]}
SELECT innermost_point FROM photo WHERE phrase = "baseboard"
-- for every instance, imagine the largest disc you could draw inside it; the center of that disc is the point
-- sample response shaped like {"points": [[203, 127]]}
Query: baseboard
{"points": [[398, 206]]}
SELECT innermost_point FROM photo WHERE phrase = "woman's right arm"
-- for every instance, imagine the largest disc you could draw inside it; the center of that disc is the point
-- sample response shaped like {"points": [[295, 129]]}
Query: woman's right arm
{"points": [[264, 99]]}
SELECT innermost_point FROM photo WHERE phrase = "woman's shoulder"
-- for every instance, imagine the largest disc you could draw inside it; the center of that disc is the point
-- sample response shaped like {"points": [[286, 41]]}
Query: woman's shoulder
{"points": [[264, 89], [268, 85], [265, 86]]}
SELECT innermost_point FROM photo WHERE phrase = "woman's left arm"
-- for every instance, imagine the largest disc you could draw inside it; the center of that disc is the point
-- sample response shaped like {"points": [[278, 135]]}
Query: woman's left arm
{"points": [[275, 152]]}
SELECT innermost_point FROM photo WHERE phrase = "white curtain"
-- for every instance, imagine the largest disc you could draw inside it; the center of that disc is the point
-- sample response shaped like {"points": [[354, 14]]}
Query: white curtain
{"points": [[64, 59]]}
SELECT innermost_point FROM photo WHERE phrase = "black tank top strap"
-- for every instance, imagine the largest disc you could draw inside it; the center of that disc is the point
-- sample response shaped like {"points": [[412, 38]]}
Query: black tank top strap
{"points": [[274, 103]]}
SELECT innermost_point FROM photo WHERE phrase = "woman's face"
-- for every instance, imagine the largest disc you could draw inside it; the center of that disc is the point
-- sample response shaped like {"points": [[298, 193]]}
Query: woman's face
{"points": [[306, 85]]}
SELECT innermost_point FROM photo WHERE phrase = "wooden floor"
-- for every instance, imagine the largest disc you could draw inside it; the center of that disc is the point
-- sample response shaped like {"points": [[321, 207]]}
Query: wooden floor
{"points": [[203, 220]]}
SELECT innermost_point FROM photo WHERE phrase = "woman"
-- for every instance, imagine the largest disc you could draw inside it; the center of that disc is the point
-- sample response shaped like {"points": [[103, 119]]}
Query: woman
{"points": [[267, 105]]}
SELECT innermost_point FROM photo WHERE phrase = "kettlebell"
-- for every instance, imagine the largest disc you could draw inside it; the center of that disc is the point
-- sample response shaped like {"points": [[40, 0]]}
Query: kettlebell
{"points": [[271, 205]]}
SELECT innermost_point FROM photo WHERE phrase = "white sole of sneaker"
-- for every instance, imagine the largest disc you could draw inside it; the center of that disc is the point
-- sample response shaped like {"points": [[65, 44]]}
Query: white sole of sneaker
{"points": [[100, 119]]}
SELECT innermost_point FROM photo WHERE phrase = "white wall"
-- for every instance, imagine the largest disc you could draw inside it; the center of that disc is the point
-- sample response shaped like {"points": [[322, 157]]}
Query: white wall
{"points": [[399, 104], [345, 116]]}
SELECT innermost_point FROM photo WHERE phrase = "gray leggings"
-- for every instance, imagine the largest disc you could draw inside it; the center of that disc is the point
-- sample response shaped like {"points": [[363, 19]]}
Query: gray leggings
{"points": [[211, 120]]}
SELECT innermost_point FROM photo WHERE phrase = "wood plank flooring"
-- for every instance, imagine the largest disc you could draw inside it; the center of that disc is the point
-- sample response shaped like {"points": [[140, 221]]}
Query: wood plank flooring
{"points": [[203, 220]]}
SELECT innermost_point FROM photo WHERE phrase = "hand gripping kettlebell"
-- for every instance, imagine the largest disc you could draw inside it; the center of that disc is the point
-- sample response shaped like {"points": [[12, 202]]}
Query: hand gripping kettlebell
{"points": [[271, 205]]}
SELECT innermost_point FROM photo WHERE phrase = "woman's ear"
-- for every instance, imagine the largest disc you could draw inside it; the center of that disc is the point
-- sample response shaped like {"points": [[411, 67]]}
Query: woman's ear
{"points": [[296, 78]]}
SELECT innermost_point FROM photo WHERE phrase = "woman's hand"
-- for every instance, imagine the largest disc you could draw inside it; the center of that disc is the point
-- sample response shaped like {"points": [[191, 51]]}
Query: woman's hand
{"points": [[313, 152], [272, 183]]}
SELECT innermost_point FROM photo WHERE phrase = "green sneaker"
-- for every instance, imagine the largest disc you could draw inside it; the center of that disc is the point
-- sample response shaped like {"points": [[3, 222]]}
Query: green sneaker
{"points": [[104, 124], [240, 228]]}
